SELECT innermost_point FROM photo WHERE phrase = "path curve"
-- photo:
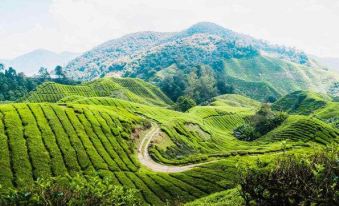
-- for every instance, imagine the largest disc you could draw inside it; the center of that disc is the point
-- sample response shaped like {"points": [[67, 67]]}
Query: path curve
{"points": [[147, 161]]}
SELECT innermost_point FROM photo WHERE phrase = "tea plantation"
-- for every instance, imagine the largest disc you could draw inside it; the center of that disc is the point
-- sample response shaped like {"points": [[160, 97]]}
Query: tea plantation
{"points": [[95, 129]]}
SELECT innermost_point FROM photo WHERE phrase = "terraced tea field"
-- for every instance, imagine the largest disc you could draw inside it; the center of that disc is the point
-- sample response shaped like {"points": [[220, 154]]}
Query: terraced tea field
{"points": [[96, 133], [134, 90]]}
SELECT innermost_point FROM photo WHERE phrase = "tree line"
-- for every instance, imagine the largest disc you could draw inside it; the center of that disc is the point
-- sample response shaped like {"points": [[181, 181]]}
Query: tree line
{"points": [[15, 85]]}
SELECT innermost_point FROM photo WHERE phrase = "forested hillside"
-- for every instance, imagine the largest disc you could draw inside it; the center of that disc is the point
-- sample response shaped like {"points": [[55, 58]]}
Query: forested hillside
{"points": [[204, 61]]}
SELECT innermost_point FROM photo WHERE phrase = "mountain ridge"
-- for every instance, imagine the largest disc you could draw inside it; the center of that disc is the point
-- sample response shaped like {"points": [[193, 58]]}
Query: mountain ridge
{"points": [[201, 57], [156, 38], [30, 62]]}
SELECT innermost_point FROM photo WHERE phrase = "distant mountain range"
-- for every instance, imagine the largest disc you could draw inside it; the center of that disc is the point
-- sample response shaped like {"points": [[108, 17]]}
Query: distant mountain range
{"points": [[31, 62], [193, 62]]}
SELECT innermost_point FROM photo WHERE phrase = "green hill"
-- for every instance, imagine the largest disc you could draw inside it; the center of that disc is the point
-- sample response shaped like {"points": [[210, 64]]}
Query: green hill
{"points": [[301, 102], [205, 131], [44, 139], [234, 100], [134, 90], [310, 103], [258, 77], [99, 135], [282, 76]]}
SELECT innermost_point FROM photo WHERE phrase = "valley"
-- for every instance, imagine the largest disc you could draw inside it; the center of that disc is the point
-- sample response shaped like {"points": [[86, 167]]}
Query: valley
{"points": [[203, 116]]}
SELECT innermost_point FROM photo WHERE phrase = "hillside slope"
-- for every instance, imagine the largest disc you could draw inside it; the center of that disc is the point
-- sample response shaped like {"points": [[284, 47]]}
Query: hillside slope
{"points": [[99, 135], [283, 76], [134, 90], [310, 103], [236, 60]]}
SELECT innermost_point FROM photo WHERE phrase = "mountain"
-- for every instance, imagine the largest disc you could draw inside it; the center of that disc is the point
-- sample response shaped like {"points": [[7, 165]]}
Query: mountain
{"points": [[203, 38], [31, 62], [204, 61]]}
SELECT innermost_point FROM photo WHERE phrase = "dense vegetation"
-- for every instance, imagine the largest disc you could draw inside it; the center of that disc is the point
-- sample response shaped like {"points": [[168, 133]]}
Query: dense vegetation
{"points": [[77, 190], [205, 61], [290, 179], [14, 86], [259, 124], [293, 180], [93, 130], [149, 52]]}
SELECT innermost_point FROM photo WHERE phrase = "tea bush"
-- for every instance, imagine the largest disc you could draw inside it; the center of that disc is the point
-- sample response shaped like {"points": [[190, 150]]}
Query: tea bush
{"points": [[77, 190]]}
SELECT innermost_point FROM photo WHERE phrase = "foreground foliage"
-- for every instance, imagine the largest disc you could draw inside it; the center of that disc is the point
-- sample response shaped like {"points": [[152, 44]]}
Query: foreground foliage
{"points": [[78, 190], [293, 180]]}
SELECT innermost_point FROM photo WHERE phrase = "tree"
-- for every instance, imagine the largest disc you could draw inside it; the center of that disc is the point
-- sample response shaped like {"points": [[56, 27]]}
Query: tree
{"points": [[262, 122], [271, 99], [2, 67], [174, 86], [223, 88], [59, 72], [185, 103], [10, 73], [43, 74]]}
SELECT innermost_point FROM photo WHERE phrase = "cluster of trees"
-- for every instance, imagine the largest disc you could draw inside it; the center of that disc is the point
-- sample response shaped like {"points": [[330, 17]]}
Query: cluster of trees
{"points": [[199, 84], [293, 180], [14, 86], [184, 103], [260, 124], [187, 53]]}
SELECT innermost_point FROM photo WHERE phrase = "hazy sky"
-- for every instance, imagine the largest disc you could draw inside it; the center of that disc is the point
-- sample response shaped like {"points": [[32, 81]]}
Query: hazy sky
{"points": [[79, 25]]}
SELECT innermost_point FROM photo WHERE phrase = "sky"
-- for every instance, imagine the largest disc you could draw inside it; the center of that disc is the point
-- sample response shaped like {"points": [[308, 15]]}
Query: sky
{"points": [[79, 25]]}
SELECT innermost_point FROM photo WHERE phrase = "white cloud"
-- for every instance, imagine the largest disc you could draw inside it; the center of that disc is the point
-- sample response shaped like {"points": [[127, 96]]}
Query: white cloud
{"points": [[78, 25]]}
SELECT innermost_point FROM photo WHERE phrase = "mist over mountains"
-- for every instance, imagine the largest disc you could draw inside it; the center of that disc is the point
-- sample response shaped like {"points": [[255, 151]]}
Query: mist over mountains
{"points": [[30, 62]]}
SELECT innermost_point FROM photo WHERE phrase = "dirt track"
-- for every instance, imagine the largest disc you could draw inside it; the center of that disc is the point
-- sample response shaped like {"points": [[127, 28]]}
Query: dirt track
{"points": [[147, 161]]}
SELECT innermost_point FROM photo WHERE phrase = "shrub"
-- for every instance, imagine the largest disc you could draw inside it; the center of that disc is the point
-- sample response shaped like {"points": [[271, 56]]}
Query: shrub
{"points": [[77, 190], [260, 124], [293, 180], [246, 132], [185, 103]]}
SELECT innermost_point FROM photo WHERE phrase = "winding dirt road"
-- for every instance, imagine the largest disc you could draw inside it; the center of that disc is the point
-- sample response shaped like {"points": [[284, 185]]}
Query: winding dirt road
{"points": [[147, 161]]}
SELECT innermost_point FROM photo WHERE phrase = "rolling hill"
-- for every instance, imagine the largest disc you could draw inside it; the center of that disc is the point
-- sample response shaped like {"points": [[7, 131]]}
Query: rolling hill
{"points": [[310, 103], [99, 128], [134, 90], [249, 66]]}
